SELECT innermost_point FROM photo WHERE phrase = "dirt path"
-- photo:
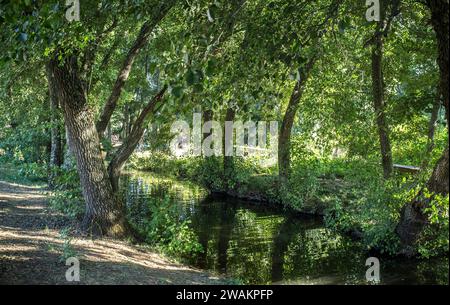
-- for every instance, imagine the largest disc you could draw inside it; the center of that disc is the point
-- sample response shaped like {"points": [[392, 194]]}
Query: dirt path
{"points": [[31, 249]]}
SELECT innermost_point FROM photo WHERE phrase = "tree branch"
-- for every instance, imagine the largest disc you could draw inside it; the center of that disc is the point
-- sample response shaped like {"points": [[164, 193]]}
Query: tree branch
{"points": [[130, 143], [125, 70]]}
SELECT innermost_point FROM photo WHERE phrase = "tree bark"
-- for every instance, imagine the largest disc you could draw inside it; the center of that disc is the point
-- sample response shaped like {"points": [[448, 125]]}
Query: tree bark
{"points": [[207, 116], [130, 143], [413, 218], [431, 130], [439, 19], [142, 39], [284, 139], [104, 213], [228, 161], [379, 105], [56, 153]]}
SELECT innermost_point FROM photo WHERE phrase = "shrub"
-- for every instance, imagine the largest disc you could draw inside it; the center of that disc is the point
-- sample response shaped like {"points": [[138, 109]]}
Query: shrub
{"points": [[434, 240], [66, 196], [350, 193], [161, 223], [33, 171]]}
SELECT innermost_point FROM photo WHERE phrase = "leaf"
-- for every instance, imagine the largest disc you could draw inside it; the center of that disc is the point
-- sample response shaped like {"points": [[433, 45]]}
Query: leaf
{"points": [[190, 77], [198, 88], [23, 37], [177, 91], [193, 77], [343, 25], [210, 68]]}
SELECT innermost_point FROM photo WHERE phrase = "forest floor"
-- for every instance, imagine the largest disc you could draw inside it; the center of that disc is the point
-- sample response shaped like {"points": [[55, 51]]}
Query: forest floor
{"points": [[32, 249]]}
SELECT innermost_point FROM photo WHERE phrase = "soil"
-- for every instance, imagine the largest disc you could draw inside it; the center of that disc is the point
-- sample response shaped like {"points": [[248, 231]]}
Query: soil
{"points": [[33, 251]]}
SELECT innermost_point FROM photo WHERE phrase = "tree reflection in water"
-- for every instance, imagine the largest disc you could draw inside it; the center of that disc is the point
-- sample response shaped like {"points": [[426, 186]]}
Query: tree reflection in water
{"points": [[260, 245]]}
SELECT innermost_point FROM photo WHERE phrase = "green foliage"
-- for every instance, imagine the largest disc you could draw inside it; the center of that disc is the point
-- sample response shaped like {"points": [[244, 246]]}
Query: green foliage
{"points": [[343, 190], [66, 196], [213, 55], [434, 240], [301, 188], [33, 171], [162, 226], [67, 249], [9, 171]]}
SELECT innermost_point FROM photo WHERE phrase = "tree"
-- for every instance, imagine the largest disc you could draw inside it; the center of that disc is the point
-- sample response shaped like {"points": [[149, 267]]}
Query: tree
{"points": [[104, 212], [284, 138], [414, 217], [313, 37], [70, 67], [56, 150], [228, 161], [131, 141], [382, 29]]}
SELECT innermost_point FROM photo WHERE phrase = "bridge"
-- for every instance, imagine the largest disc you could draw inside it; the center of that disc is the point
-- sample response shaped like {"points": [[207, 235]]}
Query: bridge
{"points": [[406, 168]]}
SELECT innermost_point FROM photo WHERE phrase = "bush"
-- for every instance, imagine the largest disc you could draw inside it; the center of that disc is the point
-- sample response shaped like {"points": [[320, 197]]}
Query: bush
{"points": [[161, 223], [350, 193], [66, 196], [434, 240], [33, 171]]}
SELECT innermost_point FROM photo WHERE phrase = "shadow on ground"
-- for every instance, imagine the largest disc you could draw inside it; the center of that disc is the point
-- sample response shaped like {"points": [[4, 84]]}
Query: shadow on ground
{"points": [[32, 250]]}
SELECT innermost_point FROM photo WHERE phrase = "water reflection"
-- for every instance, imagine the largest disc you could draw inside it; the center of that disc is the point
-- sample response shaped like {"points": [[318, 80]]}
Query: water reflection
{"points": [[260, 245]]}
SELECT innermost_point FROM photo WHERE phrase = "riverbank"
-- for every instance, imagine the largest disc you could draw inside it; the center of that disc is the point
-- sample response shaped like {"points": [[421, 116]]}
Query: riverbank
{"points": [[35, 242], [260, 244], [346, 193]]}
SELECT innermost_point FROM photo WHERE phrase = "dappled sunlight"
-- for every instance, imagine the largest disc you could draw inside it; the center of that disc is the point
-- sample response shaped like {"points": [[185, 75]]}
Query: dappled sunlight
{"points": [[39, 251], [238, 142]]}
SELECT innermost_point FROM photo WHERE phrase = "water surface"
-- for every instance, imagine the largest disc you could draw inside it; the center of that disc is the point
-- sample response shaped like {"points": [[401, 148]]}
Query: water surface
{"points": [[263, 245]]}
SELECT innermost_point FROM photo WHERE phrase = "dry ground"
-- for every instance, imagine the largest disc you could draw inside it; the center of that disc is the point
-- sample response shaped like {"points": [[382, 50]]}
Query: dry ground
{"points": [[31, 249]]}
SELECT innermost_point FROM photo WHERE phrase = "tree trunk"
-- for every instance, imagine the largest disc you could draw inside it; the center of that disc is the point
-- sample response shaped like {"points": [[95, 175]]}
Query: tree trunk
{"points": [[431, 130], [56, 152], [378, 103], [141, 40], [228, 162], [413, 217], [439, 19], [69, 161], [130, 143], [207, 116], [284, 138], [104, 213]]}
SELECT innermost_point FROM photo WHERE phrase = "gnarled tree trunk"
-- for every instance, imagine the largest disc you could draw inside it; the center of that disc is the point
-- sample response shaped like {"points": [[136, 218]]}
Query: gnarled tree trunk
{"points": [[439, 19], [104, 213], [413, 217]]}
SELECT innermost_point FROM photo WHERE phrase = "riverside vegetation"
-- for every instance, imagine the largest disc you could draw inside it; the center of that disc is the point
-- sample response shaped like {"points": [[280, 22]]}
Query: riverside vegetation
{"points": [[362, 108]]}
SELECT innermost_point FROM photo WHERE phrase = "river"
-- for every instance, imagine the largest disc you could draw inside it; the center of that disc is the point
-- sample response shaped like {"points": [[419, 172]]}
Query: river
{"points": [[257, 244]]}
